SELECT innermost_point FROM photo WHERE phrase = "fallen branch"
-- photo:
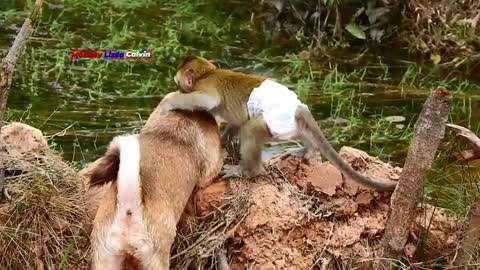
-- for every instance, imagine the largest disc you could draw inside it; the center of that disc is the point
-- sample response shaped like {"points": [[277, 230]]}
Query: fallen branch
{"points": [[429, 131], [6, 74], [469, 137]]}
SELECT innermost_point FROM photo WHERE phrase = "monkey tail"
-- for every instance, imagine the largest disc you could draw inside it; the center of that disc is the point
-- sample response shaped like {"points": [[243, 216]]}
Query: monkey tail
{"points": [[120, 162], [308, 124]]}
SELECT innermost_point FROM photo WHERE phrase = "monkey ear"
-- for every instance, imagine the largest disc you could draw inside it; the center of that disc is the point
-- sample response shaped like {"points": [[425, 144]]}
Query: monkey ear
{"points": [[189, 79], [215, 63]]}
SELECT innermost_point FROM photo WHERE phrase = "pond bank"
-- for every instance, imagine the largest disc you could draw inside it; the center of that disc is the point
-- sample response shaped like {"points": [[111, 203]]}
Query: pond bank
{"points": [[296, 217]]}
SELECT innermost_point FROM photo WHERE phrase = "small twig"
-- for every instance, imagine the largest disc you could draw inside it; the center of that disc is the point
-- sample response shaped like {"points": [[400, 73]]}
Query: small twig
{"points": [[61, 132], [6, 195], [199, 240]]}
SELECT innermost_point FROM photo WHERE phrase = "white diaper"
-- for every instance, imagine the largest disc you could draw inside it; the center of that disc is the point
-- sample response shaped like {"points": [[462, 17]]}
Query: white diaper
{"points": [[277, 104]]}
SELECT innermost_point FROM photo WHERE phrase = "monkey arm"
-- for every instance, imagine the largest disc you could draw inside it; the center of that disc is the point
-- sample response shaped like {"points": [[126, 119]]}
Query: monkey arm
{"points": [[191, 101]]}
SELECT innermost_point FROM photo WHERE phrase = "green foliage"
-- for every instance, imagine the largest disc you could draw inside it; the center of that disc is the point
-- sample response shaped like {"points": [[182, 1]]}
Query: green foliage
{"points": [[356, 30], [359, 94]]}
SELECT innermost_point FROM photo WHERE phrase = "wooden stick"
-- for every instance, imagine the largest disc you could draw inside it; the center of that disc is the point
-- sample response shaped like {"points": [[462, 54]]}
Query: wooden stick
{"points": [[471, 138], [429, 131], [7, 68]]}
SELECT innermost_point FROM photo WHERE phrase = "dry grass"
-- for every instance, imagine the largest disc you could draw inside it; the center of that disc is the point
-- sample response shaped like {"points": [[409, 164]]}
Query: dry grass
{"points": [[42, 226], [198, 242]]}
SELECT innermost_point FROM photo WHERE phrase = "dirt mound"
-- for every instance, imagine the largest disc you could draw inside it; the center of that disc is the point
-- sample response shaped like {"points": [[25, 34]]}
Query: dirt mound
{"points": [[41, 227], [303, 215]]}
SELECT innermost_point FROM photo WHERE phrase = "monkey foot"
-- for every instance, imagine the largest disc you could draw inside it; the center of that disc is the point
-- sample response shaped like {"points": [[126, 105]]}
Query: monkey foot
{"points": [[229, 171], [302, 152]]}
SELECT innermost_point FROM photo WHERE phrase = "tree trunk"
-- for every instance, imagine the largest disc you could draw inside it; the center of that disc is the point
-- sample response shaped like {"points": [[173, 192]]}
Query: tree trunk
{"points": [[429, 131]]}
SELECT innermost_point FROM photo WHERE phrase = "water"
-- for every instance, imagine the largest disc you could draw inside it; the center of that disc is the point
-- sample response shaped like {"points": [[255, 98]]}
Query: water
{"points": [[80, 106]]}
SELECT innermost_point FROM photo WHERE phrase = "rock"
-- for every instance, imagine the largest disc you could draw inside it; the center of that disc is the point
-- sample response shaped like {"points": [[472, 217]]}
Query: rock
{"points": [[325, 178], [22, 139], [364, 198]]}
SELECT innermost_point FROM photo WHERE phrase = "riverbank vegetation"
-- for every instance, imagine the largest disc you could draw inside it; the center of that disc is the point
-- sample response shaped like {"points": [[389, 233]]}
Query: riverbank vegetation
{"points": [[363, 67]]}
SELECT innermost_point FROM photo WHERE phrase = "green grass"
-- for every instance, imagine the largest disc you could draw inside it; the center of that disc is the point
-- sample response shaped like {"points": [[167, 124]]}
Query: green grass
{"points": [[358, 93], [171, 31]]}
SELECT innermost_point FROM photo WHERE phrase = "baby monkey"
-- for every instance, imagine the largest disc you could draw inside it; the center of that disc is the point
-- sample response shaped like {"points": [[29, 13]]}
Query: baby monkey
{"points": [[259, 110]]}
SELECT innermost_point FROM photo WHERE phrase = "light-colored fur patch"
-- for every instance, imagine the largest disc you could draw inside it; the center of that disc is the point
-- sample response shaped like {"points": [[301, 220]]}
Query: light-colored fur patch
{"points": [[127, 232]]}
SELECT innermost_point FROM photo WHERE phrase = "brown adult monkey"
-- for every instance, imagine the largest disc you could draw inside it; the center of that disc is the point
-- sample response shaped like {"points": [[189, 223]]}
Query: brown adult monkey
{"points": [[150, 178], [260, 109]]}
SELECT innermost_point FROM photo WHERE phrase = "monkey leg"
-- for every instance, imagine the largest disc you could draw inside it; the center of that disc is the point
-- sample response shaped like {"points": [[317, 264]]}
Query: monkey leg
{"points": [[230, 131], [253, 134], [230, 142]]}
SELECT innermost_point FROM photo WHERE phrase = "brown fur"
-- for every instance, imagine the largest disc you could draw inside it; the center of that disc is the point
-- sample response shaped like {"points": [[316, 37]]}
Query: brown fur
{"points": [[107, 169], [225, 94], [178, 151]]}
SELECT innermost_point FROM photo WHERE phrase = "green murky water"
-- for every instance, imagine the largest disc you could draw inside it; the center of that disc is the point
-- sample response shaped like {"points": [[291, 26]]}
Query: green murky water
{"points": [[82, 105]]}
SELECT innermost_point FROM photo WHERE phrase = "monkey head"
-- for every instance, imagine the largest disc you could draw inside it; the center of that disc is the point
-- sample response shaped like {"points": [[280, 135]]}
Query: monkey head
{"points": [[191, 70]]}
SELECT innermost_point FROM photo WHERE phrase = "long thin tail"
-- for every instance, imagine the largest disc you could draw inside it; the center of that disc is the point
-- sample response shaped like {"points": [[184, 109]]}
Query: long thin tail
{"points": [[304, 117]]}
